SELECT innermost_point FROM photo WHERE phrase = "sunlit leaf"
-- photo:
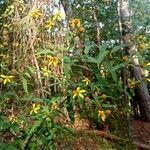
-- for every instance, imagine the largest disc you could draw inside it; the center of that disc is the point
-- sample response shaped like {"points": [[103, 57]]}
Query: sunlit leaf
{"points": [[25, 85]]}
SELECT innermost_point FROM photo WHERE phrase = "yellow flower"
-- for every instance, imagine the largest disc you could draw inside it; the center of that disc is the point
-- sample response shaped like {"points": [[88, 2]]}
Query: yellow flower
{"points": [[58, 16], [12, 118], [146, 73], [35, 108], [50, 24], [54, 106], [81, 29], [5, 43], [5, 32], [141, 38], [125, 58], [107, 1], [3, 56], [141, 46], [131, 83], [54, 60], [35, 13], [86, 80], [6, 79], [78, 92], [22, 125], [46, 72], [75, 23], [102, 115], [148, 64]]}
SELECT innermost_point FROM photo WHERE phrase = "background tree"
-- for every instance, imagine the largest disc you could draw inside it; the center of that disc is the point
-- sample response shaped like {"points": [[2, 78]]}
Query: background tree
{"points": [[141, 90], [64, 71]]}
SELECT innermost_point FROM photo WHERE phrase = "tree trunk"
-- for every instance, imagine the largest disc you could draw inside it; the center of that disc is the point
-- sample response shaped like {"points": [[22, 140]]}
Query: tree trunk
{"points": [[141, 90], [67, 8], [95, 22]]}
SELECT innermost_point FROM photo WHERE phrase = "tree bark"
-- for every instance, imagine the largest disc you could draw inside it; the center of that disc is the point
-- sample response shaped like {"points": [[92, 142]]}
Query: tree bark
{"points": [[67, 8], [95, 22], [141, 90]]}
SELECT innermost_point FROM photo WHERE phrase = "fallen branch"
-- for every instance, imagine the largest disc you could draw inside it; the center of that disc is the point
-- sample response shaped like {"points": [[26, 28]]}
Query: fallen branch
{"points": [[141, 145], [112, 137]]}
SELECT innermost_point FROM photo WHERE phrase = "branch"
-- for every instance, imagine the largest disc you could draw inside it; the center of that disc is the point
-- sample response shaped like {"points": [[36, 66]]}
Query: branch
{"points": [[110, 137]]}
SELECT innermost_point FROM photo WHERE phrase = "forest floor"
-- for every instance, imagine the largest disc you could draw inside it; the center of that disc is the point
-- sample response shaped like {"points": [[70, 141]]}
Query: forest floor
{"points": [[100, 140], [141, 132]]}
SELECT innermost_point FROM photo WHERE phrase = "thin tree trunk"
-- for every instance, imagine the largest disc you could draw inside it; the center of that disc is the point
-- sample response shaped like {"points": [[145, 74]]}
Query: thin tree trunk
{"points": [[95, 21], [141, 90], [67, 8]]}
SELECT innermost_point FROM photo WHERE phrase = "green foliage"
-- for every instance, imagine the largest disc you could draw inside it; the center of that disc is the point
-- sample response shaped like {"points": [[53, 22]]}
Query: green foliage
{"points": [[53, 75]]}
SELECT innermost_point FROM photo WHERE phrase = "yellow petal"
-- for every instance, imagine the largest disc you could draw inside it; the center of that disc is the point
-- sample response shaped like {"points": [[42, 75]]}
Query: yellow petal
{"points": [[35, 111], [5, 81], [81, 95], [9, 77], [82, 91], [46, 74], [103, 117], [38, 107], [148, 64], [55, 63], [74, 95], [33, 105], [100, 113], [78, 88], [8, 80], [3, 76], [148, 79], [31, 112]]}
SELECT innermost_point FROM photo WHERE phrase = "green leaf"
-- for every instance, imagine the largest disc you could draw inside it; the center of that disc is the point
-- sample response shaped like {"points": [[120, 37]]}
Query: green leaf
{"points": [[34, 129], [55, 99], [112, 72], [15, 128], [66, 59], [45, 51], [116, 48], [102, 56], [114, 76], [30, 69], [91, 59], [27, 74], [7, 94], [81, 66], [117, 67], [25, 85], [38, 100], [4, 146], [108, 106], [67, 65], [88, 48], [103, 47], [67, 69]]}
